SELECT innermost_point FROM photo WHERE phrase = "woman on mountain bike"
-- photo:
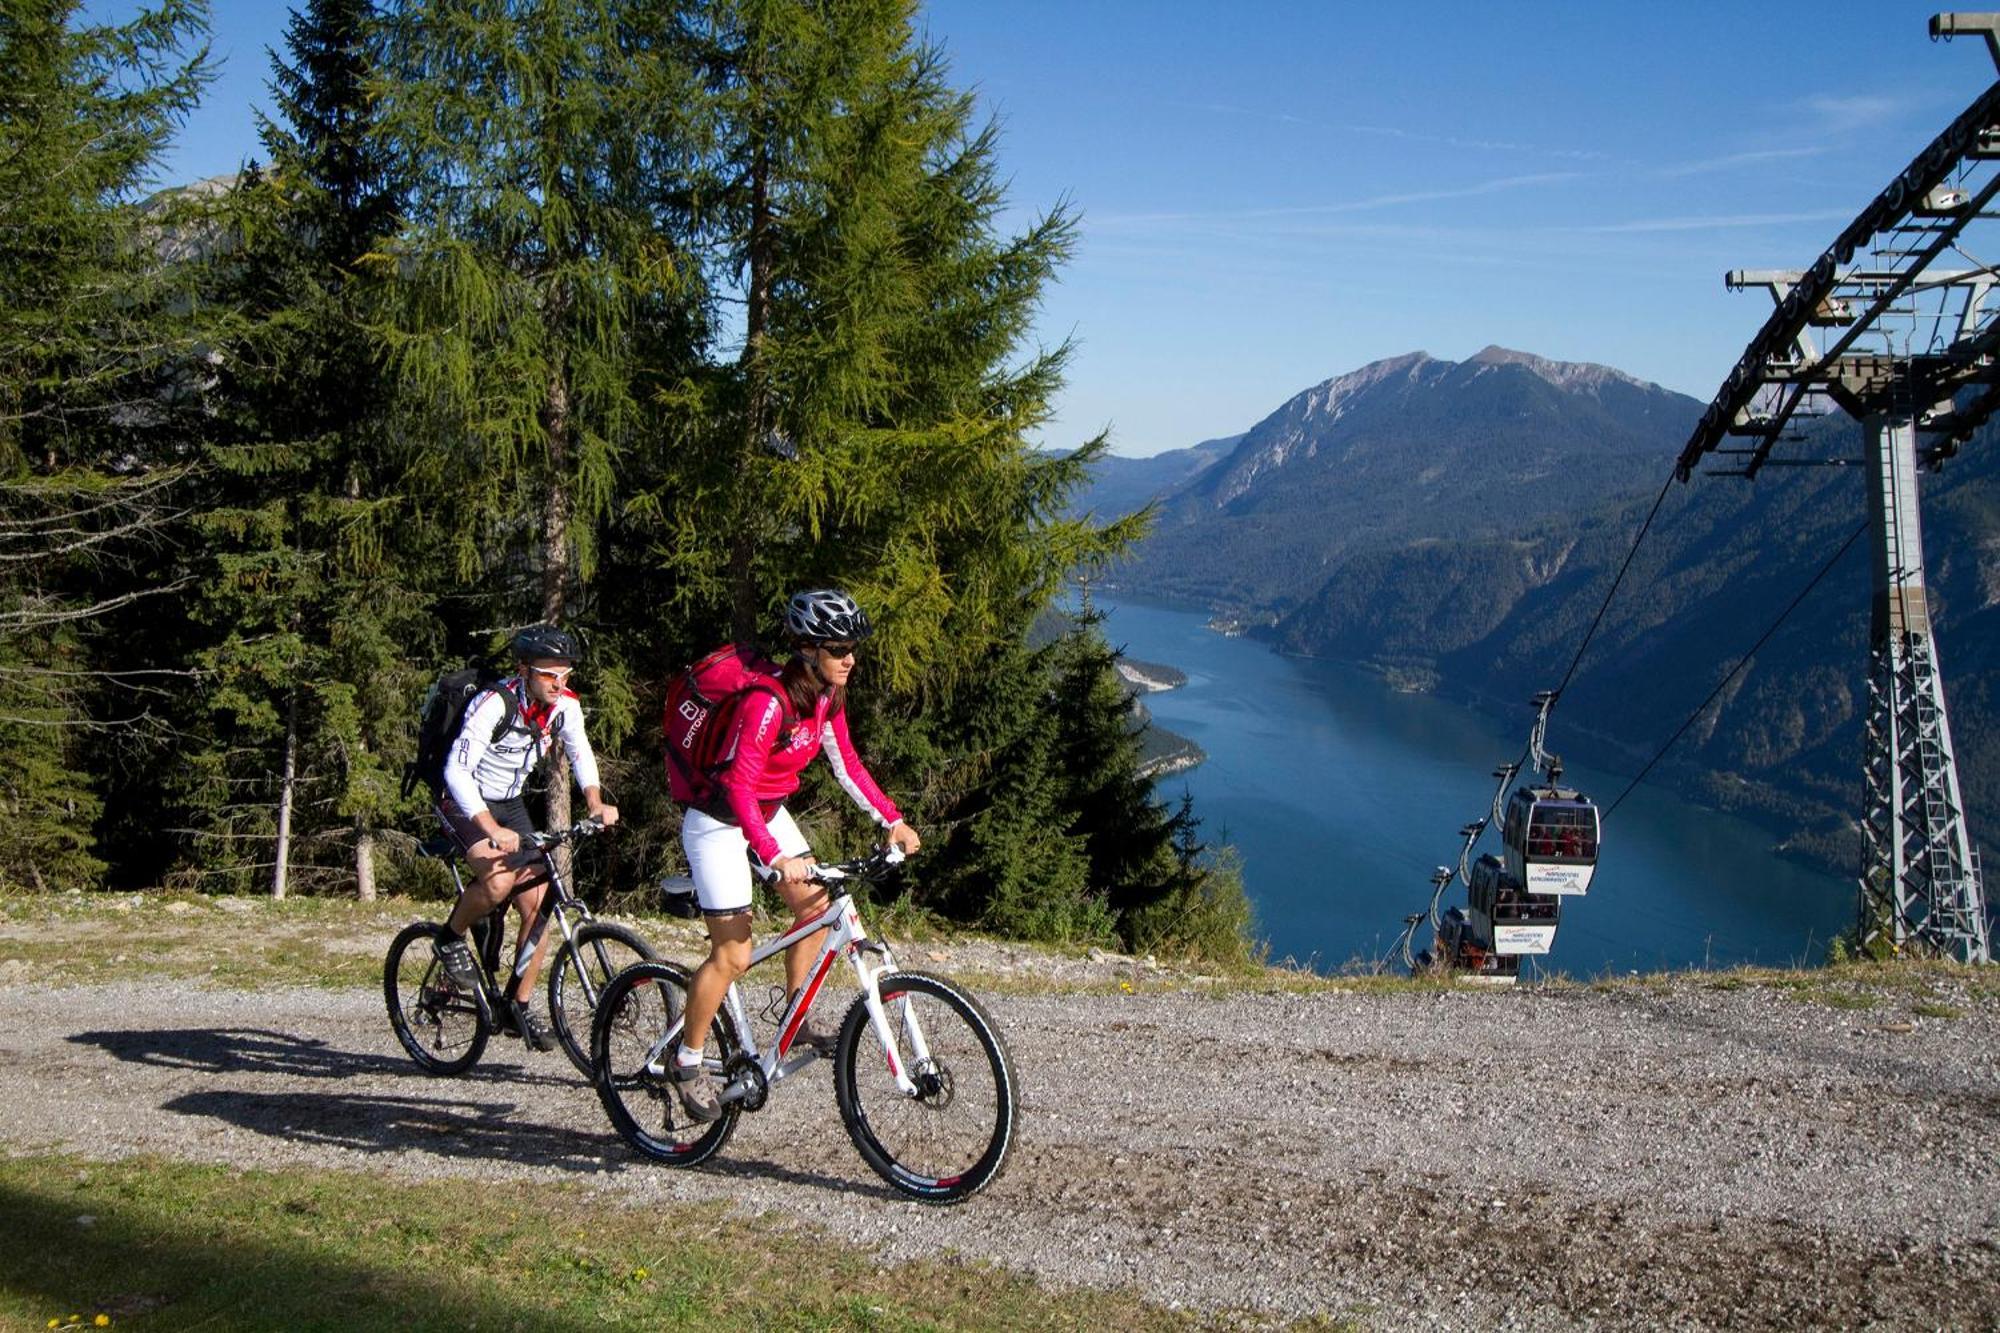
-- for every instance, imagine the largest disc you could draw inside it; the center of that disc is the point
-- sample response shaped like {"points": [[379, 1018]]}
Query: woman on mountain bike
{"points": [[772, 739]]}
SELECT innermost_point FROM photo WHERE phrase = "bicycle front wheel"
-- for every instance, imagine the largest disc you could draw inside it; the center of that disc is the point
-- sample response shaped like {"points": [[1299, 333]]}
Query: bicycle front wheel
{"points": [[639, 1006], [951, 1138], [583, 967], [438, 1024]]}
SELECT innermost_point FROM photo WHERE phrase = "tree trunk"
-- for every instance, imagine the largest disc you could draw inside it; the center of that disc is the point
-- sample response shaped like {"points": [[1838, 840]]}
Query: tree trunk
{"points": [[745, 606], [364, 861], [286, 782], [555, 558]]}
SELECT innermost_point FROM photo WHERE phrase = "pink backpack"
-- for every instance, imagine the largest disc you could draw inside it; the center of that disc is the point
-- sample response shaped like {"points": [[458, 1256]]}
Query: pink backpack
{"points": [[701, 708]]}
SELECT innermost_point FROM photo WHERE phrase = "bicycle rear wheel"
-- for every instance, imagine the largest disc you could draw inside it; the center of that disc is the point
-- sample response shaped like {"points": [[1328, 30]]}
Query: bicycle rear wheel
{"points": [[951, 1139], [583, 967], [438, 1024], [638, 1007]]}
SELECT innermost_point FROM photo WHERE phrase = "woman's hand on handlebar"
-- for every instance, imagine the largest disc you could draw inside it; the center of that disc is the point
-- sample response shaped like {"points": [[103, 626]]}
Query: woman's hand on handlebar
{"points": [[903, 838], [794, 869]]}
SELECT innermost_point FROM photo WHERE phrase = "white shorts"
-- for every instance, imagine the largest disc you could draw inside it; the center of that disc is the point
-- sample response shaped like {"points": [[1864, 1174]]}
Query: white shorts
{"points": [[719, 857]]}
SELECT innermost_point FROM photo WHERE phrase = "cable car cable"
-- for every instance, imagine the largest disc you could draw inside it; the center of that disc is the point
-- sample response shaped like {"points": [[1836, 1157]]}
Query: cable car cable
{"points": [[1741, 662], [1612, 592]]}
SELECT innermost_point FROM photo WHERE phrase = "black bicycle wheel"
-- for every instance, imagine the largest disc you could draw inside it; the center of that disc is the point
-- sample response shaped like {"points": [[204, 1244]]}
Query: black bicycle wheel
{"points": [[437, 1023], [583, 967], [638, 1007], [949, 1140]]}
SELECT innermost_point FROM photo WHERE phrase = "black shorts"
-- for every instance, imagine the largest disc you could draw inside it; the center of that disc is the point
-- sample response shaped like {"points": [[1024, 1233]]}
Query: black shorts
{"points": [[511, 812]]}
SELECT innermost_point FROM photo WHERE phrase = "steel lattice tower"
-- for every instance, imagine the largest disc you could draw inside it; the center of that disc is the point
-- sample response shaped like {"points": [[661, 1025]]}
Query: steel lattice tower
{"points": [[1879, 329], [1919, 873]]}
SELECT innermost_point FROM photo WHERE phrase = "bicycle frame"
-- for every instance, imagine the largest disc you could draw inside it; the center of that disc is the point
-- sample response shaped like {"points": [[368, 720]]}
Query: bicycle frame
{"points": [[846, 937], [564, 906]]}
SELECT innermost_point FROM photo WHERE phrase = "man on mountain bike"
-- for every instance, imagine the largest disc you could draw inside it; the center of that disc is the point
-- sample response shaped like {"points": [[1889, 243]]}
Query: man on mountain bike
{"points": [[773, 738], [507, 731]]}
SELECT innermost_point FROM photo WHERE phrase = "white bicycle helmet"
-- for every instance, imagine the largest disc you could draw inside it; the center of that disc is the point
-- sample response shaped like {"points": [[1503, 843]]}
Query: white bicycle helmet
{"points": [[825, 615]]}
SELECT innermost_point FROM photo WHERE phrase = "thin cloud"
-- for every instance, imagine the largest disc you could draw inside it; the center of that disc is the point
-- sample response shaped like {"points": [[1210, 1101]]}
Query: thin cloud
{"points": [[1836, 115], [1486, 145], [1718, 222], [1504, 183], [1732, 161], [1397, 132]]}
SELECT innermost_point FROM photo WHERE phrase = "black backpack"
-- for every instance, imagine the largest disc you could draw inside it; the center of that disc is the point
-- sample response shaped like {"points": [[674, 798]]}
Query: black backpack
{"points": [[442, 715]]}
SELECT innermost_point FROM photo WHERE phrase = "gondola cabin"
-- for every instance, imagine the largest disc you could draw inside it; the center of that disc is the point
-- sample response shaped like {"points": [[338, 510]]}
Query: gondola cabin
{"points": [[1550, 835], [1516, 921], [1466, 948]]}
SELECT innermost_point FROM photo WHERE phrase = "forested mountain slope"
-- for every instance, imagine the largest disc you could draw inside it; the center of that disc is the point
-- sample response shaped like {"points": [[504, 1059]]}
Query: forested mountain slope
{"points": [[1402, 449], [1120, 485], [1457, 526]]}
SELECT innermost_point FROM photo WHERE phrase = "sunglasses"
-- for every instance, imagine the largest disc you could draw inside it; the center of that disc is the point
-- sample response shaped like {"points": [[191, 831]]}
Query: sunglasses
{"points": [[837, 649], [554, 675]]}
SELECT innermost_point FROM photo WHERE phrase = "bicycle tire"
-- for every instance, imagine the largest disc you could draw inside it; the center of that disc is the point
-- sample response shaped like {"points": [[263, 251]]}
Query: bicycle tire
{"points": [[437, 1024], [638, 1006], [952, 1140], [583, 967]]}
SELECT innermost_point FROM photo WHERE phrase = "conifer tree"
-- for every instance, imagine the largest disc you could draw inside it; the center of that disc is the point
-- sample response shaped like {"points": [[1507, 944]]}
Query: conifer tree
{"points": [[95, 365], [866, 423], [872, 427], [529, 291], [312, 565]]}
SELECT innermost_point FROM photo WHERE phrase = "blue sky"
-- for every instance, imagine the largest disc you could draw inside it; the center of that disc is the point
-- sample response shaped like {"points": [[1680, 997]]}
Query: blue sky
{"points": [[1275, 193]]}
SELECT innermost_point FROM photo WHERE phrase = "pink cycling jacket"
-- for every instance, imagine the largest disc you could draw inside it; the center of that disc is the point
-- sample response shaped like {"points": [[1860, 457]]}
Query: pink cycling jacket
{"points": [[764, 766]]}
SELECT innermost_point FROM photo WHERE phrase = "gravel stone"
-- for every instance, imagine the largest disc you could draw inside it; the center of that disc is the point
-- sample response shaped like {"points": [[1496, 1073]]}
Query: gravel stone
{"points": [[1672, 1155]]}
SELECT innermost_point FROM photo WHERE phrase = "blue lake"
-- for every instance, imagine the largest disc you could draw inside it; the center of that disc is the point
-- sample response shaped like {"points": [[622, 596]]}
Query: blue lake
{"points": [[1341, 796]]}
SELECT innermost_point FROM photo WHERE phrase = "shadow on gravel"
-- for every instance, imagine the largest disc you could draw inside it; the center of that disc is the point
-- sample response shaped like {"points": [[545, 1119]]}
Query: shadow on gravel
{"points": [[863, 1184], [261, 1051], [484, 1131]]}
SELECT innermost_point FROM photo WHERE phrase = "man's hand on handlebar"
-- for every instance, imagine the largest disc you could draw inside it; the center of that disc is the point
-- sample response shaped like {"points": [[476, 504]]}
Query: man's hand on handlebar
{"points": [[504, 840], [604, 814]]}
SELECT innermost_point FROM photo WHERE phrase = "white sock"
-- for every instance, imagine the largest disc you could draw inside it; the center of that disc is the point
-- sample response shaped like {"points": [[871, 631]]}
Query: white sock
{"points": [[686, 1058]]}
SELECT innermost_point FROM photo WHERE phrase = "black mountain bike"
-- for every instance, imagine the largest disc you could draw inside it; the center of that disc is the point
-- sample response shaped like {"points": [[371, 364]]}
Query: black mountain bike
{"points": [[446, 1030]]}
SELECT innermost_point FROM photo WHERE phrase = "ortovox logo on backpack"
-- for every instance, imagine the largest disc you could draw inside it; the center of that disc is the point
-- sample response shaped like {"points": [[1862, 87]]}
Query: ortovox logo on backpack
{"points": [[701, 707], [440, 717]]}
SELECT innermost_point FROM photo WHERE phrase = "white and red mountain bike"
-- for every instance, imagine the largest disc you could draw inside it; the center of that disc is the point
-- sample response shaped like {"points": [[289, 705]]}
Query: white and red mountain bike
{"points": [[921, 1076]]}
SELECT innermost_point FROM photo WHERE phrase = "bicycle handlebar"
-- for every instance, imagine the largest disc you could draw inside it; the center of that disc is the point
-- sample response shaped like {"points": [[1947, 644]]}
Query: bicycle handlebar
{"points": [[544, 843], [867, 869]]}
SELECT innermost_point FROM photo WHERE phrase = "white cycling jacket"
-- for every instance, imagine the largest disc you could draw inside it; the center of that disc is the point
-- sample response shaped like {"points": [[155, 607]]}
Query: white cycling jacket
{"points": [[481, 767]]}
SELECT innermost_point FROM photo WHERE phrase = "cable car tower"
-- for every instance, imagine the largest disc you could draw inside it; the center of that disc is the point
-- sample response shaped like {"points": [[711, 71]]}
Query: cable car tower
{"points": [[1895, 325]]}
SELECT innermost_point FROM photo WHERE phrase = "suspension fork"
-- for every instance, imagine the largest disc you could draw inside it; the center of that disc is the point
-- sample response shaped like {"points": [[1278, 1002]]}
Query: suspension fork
{"points": [[917, 1051]]}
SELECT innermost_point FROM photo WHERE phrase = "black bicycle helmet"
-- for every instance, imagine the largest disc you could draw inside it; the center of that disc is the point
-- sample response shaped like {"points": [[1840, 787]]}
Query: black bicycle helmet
{"points": [[825, 615], [540, 643]]}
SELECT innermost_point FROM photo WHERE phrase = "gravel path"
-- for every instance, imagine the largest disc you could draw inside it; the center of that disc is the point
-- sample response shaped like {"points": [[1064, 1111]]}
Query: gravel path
{"points": [[1682, 1154]]}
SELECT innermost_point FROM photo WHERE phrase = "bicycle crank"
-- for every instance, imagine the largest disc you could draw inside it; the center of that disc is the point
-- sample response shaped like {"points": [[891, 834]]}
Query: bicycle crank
{"points": [[747, 1085]]}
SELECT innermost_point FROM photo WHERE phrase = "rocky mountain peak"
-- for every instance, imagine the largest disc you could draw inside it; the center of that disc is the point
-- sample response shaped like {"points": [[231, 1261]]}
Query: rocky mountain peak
{"points": [[1567, 375]]}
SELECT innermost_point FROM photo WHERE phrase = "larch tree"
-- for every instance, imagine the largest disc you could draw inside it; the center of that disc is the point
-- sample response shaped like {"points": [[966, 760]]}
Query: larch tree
{"points": [[865, 414], [528, 287]]}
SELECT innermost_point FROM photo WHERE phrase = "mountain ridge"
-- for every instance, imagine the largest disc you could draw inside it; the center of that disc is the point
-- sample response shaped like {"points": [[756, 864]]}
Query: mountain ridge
{"points": [[1455, 525]]}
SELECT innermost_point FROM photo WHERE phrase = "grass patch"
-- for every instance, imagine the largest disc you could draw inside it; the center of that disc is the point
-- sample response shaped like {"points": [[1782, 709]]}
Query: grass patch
{"points": [[1836, 999], [162, 1245], [1932, 1009], [243, 943]]}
